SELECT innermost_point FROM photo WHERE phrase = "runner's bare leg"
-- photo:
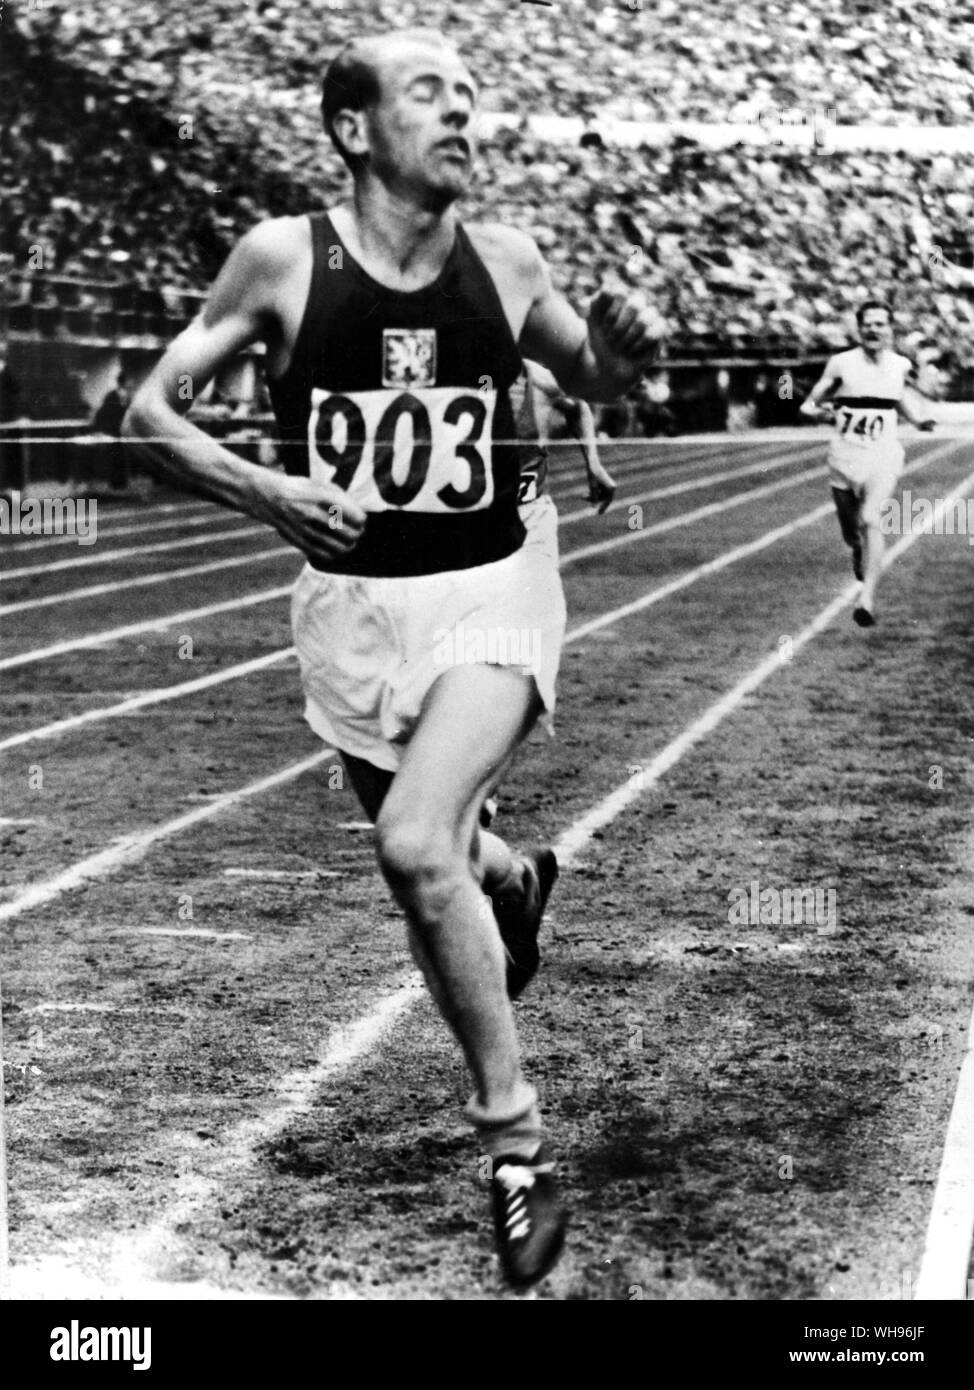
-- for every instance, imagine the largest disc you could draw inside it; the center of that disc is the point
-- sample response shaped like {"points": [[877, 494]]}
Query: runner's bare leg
{"points": [[495, 865], [873, 556], [471, 724]]}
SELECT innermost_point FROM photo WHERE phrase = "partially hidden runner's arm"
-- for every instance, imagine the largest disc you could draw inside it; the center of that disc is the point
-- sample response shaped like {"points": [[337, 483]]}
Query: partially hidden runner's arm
{"points": [[581, 422], [926, 424], [598, 360], [813, 405], [317, 518]]}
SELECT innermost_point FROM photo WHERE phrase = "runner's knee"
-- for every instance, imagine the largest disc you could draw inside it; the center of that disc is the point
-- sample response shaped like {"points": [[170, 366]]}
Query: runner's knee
{"points": [[419, 861]]}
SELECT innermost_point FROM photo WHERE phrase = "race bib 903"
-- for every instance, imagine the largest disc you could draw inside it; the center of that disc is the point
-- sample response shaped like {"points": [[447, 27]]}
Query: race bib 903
{"points": [[427, 450]]}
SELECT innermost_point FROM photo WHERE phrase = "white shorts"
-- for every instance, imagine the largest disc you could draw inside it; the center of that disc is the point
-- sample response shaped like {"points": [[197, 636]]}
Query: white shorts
{"points": [[540, 518], [871, 474], [370, 649]]}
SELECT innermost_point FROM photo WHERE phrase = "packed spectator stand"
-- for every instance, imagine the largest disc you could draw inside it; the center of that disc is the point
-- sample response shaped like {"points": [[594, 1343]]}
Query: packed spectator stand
{"points": [[139, 140]]}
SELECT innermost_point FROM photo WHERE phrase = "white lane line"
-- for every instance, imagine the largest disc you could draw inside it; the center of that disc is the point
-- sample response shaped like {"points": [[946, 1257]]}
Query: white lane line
{"points": [[149, 697], [128, 1259], [574, 840], [47, 1280], [690, 485], [175, 692], [197, 933], [672, 523], [150, 509], [284, 875], [568, 484], [565, 461], [67, 879], [726, 504], [138, 581], [570, 845], [947, 1250], [108, 557], [137, 551], [683, 581], [166, 620], [161, 576], [740, 499], [130, 848], [729, 557], [946, 1256], [85, 1008], [351, 1042], [945, 1262], [34, 543]]}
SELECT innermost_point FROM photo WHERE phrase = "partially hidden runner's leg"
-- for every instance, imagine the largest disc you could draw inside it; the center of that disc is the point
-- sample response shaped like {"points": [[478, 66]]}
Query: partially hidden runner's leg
{"points": [[370, 783], [881, 485], [848, 509], [471, 723], [874, 553]]}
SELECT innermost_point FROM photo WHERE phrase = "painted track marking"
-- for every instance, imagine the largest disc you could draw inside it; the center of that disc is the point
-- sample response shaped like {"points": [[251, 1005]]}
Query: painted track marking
{"points": [[161, 576], [945, 1262], [364, 1033], [675, 489], [29, 543], [128, 552], [175, 692], [95, 639], [160, 624], [133, 847], [140, 581], [92, 557]]}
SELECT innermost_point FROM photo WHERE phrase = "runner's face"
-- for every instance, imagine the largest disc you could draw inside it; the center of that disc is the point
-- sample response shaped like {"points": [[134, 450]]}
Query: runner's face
{"points": [[422, 131], [876, 331]]}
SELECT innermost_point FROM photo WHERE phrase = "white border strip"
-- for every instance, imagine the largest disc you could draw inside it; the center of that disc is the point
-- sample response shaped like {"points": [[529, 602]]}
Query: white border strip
{"points": [[946, 1256]]}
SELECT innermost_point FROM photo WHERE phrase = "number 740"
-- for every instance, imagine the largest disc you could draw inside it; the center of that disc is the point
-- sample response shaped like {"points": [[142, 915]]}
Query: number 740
{"points": [[873, 428]]}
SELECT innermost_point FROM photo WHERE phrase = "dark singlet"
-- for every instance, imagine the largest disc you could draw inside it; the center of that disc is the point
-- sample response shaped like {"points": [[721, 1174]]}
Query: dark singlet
{"points": [[402, 399]]}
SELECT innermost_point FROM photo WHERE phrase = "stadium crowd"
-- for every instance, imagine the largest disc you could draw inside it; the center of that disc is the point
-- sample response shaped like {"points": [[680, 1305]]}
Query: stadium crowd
{"points": [[138, 147], [895, 62]]}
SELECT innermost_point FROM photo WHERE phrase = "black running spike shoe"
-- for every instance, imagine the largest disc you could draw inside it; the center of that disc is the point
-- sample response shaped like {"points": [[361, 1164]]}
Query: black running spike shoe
{"points": [[529, 1220], [519, 918]]}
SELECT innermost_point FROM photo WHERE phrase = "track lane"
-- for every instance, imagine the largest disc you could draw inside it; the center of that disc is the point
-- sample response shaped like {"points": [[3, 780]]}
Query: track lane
{"points": [[584, 1236]]}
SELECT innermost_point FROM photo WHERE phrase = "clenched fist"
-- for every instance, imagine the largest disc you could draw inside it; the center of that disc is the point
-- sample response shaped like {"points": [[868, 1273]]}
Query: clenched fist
{"points": [[319, 519], [624, 332]]}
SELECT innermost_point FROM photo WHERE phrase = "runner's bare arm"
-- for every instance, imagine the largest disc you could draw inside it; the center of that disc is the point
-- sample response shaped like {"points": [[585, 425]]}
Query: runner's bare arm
{"points": [[320, 520], [812, 405], [599, 360], [905, 411], [922, 423], [580, 420]]}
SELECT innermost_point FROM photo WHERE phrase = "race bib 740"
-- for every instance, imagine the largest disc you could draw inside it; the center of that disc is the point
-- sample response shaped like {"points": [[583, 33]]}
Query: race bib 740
{"points": [[427, 450], [864, 426]]}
